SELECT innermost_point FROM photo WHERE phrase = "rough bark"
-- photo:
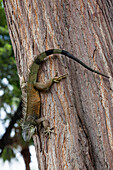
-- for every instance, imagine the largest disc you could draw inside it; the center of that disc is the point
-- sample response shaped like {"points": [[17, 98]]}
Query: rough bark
{"points": [[80, 107]]}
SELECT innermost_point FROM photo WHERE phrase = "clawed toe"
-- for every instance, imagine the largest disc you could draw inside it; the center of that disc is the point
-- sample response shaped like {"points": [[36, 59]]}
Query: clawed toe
{"points": [[57, 79], [48, 132]]}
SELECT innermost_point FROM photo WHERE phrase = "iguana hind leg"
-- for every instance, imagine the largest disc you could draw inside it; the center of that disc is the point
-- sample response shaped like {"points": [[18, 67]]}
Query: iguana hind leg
{"points": [[47, 84]]}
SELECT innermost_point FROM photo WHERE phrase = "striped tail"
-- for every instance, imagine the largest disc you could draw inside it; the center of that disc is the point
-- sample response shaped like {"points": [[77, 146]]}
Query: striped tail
{"points": [[43, 55]]}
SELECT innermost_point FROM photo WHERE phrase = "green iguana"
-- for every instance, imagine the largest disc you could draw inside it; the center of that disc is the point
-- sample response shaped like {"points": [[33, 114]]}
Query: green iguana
{"points": [[31, 98]]}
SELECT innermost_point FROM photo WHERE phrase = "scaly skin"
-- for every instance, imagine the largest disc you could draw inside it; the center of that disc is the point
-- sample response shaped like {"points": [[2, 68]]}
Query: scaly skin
{"points": [[32, 105]]}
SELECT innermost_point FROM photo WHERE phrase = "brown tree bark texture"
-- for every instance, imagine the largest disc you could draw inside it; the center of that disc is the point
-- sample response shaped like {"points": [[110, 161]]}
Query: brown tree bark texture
{"points": [[80, 108]]}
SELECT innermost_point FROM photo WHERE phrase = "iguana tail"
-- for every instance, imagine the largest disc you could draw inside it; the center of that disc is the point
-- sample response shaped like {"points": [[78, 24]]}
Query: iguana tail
{"points": [[41, 57]]}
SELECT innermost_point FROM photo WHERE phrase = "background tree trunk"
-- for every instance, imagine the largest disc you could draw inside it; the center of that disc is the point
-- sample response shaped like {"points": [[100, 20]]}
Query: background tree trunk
{"points": [[80, 107]]}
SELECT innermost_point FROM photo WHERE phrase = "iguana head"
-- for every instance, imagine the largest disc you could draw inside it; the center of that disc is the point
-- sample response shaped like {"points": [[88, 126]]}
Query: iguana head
{"points": [[28, 128], [27, 132]]}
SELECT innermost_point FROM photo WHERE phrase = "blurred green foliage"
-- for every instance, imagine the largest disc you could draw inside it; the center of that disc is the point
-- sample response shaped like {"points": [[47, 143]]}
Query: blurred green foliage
{"points": [[9, 82], [7, 154], [2, 16]]}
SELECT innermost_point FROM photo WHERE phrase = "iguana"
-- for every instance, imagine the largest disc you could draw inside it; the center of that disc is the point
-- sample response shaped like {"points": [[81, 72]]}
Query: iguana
{"points": [[31, 98]]}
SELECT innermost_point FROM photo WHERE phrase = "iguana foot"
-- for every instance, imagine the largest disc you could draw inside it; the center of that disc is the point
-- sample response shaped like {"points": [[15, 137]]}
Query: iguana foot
{"points": [[56, 79], [48, 131]]}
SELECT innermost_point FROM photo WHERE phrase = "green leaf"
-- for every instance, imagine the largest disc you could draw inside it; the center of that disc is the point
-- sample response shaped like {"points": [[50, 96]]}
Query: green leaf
{"points": [[8, 154]]}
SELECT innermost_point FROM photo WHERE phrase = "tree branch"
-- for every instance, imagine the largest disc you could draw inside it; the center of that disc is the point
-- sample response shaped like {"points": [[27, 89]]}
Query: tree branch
{"points": [[6, 140]]}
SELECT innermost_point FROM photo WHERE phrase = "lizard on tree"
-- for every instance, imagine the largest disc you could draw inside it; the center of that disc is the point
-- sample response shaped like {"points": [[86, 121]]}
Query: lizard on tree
{"points": [[31, 98]]}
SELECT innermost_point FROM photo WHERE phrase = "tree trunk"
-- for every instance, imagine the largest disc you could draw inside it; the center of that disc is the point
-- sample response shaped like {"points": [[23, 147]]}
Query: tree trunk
{"points": [[80, 107]]}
